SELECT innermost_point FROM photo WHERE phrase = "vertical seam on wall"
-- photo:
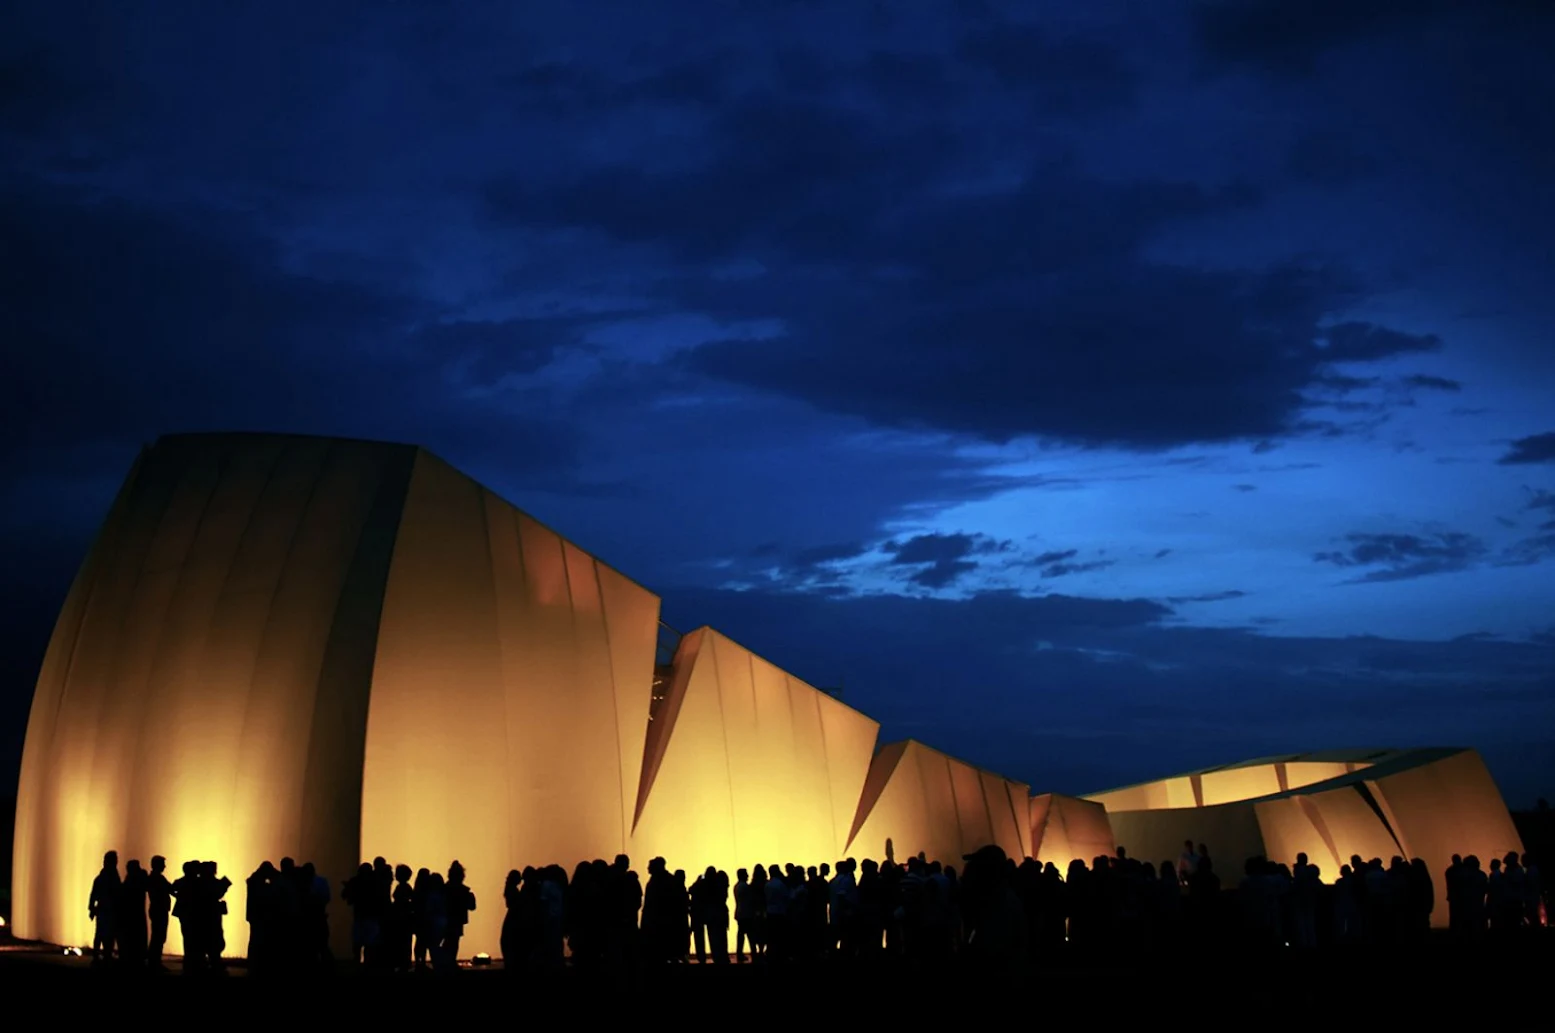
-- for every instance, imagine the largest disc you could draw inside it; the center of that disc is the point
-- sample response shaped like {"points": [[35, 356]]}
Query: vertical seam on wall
{"points": [[750, 668], [723, 731], [615, 704], [481, 497], [223, 463], [1009, 797], [264, 631], [248, 520], [982, 791], [141, 721], [955, 805], [838, 847], [923, 785]]}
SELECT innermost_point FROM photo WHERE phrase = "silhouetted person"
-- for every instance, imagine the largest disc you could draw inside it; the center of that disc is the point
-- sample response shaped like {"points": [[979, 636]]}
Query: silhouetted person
{"points": [[315, 916], [130, 915], [743, 926], [402, 919], [1473, 889], [420, 889], [100, 907], [459, 901], [260, 914], [550, 917], [511, 941], [626, 901], [993, 910], [657, 909], [710, 915], [159, 900], [682, 916], [361, 895], [778, 927], [191, 914], [434, 918], [1452, 878], [215, 888], [1306, 886]]}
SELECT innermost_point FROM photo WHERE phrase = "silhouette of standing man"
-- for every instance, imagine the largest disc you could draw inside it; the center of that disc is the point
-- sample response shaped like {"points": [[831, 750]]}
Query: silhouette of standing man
{"points": [[159, 895], [459, 902], [100, 908], [131, 916]]}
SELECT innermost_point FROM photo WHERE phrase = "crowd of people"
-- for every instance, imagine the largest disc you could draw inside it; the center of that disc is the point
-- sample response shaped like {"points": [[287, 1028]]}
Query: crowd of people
{"points": [[991, 909]]}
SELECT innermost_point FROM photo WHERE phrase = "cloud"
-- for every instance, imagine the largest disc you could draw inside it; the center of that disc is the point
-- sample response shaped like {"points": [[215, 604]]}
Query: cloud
{"points": [[127, 323], [942, 573], [1208, 597], [1056, 556], [1528, 551], [1066, 569], [830, 553], [942, 557], [1403, 556], [1367, 342], [1536, 448], [906, 284], [1427, 382]]}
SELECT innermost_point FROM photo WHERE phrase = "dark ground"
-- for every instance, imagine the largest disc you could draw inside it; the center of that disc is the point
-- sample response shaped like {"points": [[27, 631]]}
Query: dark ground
{"points": [[1434, 985]]}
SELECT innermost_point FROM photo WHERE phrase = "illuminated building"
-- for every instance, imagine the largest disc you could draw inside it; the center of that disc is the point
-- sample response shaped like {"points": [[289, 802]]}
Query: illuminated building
{"points": [[334, 650], [1427, 803]]}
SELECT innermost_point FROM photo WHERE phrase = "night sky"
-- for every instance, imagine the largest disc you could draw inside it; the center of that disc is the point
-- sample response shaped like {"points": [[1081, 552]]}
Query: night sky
{"points": [[1094, 390]]}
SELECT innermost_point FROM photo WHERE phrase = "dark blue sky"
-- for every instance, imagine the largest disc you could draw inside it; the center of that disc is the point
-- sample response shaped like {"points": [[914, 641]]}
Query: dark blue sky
{"points": [[1097, 390]]}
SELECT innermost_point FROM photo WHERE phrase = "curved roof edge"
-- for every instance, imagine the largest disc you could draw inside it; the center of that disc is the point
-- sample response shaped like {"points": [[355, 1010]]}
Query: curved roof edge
{"points": [[1392, 764], [1340, 756]]}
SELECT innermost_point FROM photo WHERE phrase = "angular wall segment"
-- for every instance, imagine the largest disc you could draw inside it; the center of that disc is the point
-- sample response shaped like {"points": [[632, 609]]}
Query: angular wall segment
{"points": [[510, 695], [750, 765], [934, 804], [1067, 828]]}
